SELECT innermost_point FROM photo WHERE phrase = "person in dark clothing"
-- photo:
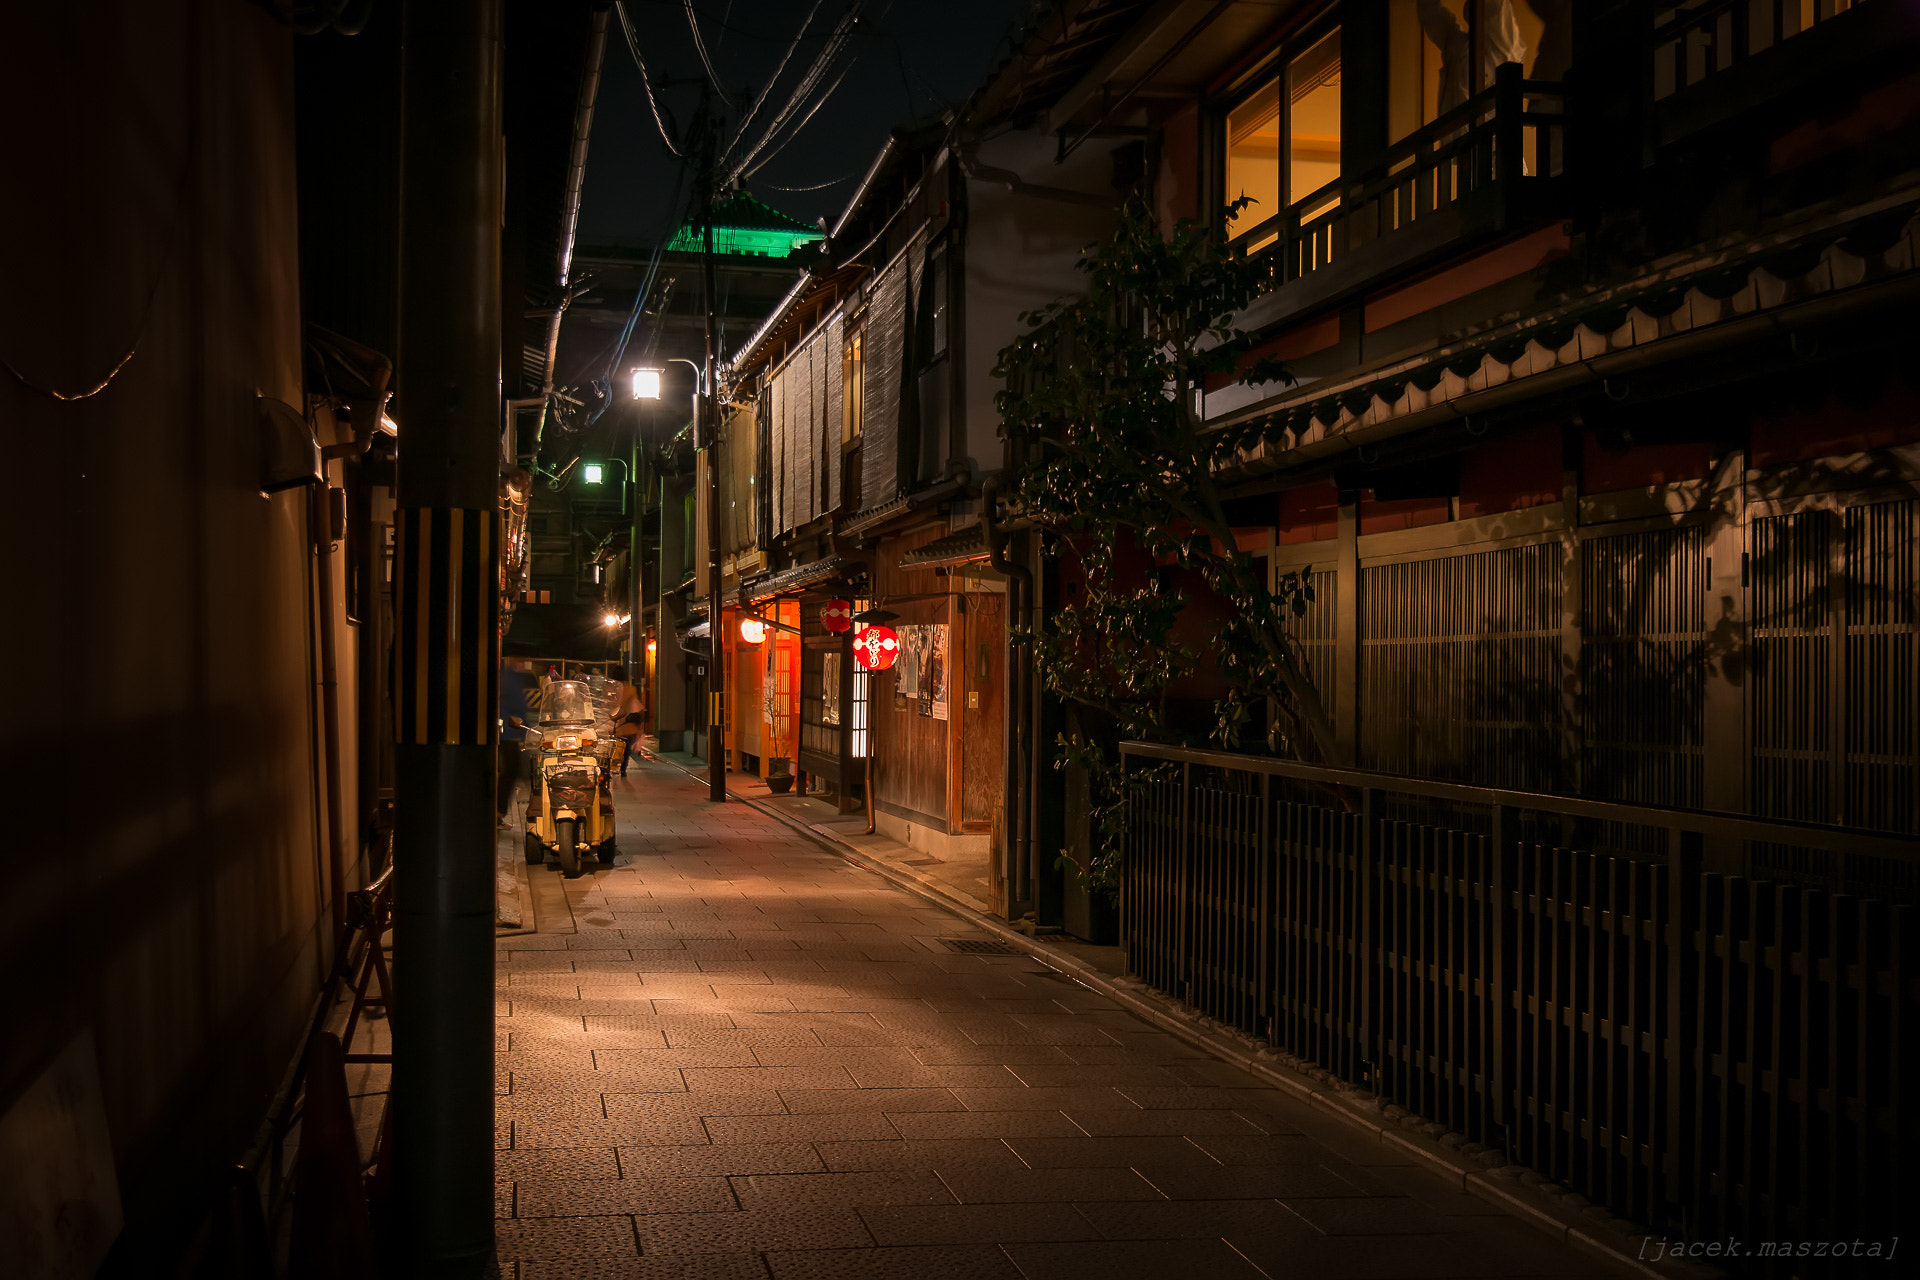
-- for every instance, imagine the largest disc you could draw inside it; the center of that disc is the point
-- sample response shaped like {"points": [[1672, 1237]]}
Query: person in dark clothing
{"points": [[516, 686], [630, 722]]}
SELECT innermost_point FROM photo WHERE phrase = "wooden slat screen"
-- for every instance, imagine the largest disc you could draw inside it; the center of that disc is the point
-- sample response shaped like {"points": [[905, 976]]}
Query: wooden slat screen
{"points": [[1643, 666], [830, 428], [777, 460], [1459, 667], [886, 356], [799, 373]]}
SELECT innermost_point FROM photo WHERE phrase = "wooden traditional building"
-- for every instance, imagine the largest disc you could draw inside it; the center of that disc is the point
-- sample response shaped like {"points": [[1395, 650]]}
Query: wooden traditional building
{"points": [[1603, 437], [1602, 453], [881, 447]]}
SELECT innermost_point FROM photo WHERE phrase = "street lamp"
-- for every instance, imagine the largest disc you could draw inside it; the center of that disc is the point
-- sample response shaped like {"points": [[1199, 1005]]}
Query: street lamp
{"points": [[646, 384]]}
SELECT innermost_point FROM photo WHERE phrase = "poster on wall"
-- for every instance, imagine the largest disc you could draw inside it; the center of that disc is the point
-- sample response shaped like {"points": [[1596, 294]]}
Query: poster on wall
{"points": [[830, 687], [906, 672], [936, 671]]}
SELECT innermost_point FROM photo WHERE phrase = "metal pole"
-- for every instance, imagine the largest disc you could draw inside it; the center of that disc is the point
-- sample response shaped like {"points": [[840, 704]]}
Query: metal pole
{"points": [[709, 436], [447, 660], [636, 650]]}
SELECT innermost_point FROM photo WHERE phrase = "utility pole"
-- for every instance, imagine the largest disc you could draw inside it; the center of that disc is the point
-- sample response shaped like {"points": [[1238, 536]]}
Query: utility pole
{"points": [[708, 437], [446, 575]]}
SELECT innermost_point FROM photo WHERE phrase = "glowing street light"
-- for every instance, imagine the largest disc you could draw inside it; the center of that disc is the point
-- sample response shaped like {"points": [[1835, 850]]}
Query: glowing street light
{"points": [[646, 384], [592, 473], [752, 630]]}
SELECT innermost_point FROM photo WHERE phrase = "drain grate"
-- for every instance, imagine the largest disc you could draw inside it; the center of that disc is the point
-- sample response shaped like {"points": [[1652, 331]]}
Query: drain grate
{"points": [[978, 946]]}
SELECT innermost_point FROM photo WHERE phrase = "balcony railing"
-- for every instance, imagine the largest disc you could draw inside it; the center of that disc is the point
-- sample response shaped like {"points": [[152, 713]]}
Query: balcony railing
{"points": [[1692, 43], [1711, 1040], [1470, 170]]}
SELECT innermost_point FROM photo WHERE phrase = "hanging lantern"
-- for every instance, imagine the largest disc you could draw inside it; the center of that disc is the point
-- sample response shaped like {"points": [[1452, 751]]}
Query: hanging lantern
{"points": [[752, 630], [837, 616], [875, 648]]}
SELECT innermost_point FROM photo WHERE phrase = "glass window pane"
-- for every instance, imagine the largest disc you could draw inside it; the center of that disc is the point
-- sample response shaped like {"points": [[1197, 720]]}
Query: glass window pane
{"points": [[1313, 127], [1428, 40], [1253, 158]]}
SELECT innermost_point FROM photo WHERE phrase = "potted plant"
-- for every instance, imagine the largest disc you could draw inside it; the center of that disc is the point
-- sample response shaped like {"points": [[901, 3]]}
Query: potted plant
{"points": [[779, 775]]}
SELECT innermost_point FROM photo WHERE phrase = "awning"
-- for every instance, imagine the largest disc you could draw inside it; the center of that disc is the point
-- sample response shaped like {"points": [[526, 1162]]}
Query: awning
{"points": [[964, 547], [1861, 258], [797, 577]]}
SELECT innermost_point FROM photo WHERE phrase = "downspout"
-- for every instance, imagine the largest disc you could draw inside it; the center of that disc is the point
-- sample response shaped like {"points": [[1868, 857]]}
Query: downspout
{"points": [[1016, 763], [322, 526], [570, 215]]}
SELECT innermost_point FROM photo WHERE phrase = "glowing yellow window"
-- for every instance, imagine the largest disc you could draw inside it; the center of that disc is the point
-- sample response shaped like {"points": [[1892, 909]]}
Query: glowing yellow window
{"points": [[1307, 119], [1313, 123]]}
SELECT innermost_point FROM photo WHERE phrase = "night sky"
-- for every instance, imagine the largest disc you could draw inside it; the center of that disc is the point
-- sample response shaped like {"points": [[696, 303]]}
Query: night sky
{"points": [[912, 58]]}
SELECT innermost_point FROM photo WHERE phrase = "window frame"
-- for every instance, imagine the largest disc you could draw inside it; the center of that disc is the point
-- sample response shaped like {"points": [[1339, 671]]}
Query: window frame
{"points": [[1270, 68]]}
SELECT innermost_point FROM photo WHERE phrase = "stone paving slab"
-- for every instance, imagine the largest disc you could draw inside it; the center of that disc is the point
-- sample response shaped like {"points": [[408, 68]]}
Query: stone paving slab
{"points": [[743, 1057]]}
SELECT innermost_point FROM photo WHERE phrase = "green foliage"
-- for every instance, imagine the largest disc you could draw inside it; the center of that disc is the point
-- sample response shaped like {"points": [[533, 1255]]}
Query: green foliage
{"points": [[1101, 399]]}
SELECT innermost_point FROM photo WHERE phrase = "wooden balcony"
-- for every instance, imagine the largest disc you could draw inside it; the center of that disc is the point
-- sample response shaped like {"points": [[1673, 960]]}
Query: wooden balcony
{"points": [[1721, 60], [1495, 162]]}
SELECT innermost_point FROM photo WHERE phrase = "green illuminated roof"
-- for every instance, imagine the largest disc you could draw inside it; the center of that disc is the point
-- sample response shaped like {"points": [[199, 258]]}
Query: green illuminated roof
{"points": [[747, 227]]}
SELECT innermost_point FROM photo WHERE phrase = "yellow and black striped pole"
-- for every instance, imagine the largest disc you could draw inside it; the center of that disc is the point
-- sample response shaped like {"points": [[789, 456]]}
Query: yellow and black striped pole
{"points": [[446, 640], [447, 615]]}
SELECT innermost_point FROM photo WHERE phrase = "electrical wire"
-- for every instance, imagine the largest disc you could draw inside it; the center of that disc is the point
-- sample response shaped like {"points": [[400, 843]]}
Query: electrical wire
{"points": [[810, 80], [639, 300], [646, 78], [815, 75], [824, 98], [700, 43], [818, 186], [760, 99]]}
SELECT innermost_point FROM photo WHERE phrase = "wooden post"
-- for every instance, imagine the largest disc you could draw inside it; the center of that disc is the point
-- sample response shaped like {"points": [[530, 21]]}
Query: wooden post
{"points": [[1346, 629]]}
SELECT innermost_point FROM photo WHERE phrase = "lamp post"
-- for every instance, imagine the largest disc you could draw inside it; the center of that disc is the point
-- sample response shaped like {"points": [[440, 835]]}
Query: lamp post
{"points": [[647, 383]]}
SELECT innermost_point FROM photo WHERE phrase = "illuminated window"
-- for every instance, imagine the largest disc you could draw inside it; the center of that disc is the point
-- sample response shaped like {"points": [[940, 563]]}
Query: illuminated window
{"points": [[1313, 125], [853, 387], [1431, 69], [1307, 117]]}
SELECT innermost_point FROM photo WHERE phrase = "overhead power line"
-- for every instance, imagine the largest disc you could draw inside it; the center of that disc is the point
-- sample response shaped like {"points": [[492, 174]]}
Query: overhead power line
{"points": [[818, 186], [706, 60], [815, 75], [760, 99], [795, 131], [646, 79]]}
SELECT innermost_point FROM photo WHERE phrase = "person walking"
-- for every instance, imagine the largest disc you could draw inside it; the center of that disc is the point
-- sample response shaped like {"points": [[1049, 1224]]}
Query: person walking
{"points": [[629, 723], [516, 687]]}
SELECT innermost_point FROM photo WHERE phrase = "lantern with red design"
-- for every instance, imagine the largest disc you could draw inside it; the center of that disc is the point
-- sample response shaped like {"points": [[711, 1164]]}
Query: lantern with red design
{"points": [[837, 616], [876, 647]]}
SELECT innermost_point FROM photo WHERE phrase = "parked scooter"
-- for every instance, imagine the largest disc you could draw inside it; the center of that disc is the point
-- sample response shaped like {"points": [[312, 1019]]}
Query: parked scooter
{"points": [[570, 808]]}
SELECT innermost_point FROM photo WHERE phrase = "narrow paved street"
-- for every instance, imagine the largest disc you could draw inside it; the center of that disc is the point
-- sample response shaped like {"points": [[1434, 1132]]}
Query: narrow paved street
{"points": [[746, 1057]]}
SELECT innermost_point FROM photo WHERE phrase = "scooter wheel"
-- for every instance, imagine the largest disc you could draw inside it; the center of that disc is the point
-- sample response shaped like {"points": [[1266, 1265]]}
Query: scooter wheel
{"points": [[567, 831], [536, 850], [606, 851]]}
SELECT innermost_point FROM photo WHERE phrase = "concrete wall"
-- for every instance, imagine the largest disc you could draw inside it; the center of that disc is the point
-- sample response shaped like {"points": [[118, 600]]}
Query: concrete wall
{"points": [[162, 875]]}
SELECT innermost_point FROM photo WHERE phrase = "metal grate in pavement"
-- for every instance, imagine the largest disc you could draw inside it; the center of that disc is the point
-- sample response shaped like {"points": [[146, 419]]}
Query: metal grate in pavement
{"points": [[978, 946]]}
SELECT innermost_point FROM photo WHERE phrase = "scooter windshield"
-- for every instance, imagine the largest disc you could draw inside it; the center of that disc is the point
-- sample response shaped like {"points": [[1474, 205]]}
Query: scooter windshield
{"points": [[566, 702]]}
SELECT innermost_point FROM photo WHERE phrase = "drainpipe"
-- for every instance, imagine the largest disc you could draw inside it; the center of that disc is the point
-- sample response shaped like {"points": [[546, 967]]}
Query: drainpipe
{"points": [[322, 525], [446, 565], [1019, 758]]}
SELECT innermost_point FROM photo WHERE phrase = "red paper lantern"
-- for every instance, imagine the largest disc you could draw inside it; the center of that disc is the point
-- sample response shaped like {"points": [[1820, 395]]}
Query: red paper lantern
{"points": [[837, 616], [875, 648]]}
